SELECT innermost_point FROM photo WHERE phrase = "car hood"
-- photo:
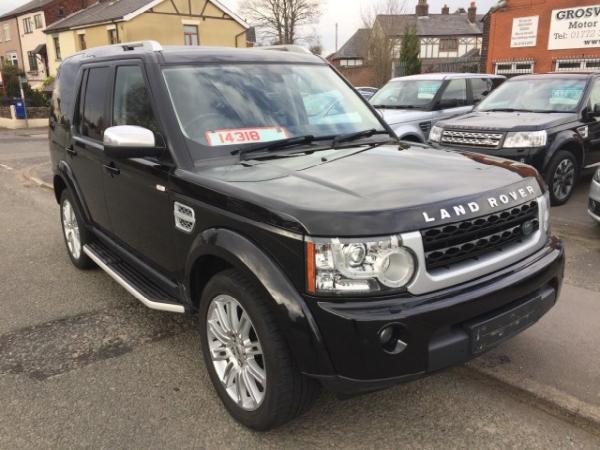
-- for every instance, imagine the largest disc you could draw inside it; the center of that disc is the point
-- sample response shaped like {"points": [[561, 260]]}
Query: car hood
{"points": [[351, 192], [507, 121], [396, 116]]}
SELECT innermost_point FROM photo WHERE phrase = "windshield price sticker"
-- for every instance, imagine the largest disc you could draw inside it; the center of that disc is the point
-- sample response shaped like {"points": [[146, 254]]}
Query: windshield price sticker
{"points": [[566, 93], [238, 136]]}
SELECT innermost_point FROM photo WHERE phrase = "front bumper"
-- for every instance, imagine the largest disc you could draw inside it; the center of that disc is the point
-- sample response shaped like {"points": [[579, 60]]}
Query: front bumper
{"points": [[594, 203], [437, 328], [533, 156]]}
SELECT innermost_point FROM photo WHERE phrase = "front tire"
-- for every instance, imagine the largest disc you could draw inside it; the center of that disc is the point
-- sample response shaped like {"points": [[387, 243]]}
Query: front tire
{"points": [[74, 232], [246, 356], [561, 176]]}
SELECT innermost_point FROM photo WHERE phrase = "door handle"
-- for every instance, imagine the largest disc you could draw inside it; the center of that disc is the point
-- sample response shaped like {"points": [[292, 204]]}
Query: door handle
{"points": [[111, 169], [71, 151]]}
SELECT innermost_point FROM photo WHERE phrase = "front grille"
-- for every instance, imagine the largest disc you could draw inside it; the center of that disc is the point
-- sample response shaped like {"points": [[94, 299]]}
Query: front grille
{"points": [[450, 244], [472, 139], [594, 207]]}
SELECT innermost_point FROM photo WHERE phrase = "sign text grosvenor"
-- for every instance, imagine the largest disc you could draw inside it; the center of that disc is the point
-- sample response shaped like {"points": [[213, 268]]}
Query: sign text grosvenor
{"points": [[577, 27]]}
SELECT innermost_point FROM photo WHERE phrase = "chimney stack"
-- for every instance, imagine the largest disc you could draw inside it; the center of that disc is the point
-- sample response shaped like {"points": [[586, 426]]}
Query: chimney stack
{"points": [[472, 13], [422, 8], [445, 10]]}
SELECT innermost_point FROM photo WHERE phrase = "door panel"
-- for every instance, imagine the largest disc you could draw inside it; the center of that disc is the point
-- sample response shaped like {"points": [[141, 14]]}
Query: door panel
{"points": [[137, 191], [594, 125], [86, 155]]}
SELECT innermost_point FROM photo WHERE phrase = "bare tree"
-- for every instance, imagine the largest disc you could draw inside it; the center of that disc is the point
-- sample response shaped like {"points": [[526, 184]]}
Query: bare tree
{"points": [[281, 20], [381, 46]]}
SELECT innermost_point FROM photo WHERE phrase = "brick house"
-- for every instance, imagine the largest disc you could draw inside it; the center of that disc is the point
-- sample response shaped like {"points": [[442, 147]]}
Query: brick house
{"points": [[31, 19], [537, 36], [444, 37]]}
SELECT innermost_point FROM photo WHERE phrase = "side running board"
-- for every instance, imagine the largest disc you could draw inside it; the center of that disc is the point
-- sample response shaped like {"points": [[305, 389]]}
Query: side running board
{"points": [[135, 283]]}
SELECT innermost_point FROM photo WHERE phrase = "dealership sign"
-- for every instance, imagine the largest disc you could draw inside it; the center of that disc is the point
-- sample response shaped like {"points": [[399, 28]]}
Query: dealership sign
{"points": [[524, 31], [577, 27]]}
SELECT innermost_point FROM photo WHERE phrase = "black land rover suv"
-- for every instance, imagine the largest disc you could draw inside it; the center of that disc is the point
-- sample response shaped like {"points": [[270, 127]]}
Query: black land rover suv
{"points": [[550, 121], [259, 190]]}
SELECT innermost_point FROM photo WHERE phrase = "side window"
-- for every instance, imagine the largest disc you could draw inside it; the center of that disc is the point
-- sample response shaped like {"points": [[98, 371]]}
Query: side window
{"points": [[93, 121], [455, 94], [594, 95], [131, 105], [480, 88]]}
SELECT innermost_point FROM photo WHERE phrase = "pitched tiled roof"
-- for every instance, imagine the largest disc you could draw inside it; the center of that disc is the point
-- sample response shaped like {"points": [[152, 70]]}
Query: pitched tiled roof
{"points": [[103, 11], [355, 47], [29, 6], [108, 10], [431, 25]]}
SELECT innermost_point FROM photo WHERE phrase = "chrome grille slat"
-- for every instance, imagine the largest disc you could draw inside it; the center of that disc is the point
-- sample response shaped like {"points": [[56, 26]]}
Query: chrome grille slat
{"points": [[472, 138]]}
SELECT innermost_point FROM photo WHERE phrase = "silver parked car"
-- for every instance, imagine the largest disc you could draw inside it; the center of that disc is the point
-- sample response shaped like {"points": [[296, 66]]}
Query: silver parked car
{"points": [[594, 205], [412, 104]]}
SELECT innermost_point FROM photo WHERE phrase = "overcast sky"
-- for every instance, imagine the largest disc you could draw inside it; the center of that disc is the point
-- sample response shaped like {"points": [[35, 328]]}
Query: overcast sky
{"points": [[347, 13]]}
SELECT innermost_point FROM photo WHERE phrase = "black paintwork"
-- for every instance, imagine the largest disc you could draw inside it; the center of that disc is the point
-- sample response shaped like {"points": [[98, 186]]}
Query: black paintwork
{"points": [[254, 215], [562, 129]]}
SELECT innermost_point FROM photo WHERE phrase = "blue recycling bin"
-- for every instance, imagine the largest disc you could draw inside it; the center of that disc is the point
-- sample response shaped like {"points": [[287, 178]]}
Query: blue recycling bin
{"points": [[20, 109]]}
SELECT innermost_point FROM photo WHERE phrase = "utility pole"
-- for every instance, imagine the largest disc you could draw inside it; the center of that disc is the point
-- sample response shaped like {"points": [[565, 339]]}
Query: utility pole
{"points": [[336, 37]]}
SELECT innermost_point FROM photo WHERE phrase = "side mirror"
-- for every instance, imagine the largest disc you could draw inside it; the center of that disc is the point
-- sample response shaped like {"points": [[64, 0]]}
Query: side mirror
{"points": [[129, 141], [596, 110]]}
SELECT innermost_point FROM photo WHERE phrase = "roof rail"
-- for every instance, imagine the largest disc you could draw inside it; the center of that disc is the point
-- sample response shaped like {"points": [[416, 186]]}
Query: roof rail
{"points": [[105, 50], [286, 48]]}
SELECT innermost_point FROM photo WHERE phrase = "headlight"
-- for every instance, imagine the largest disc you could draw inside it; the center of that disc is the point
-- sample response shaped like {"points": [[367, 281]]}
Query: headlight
{"points": [[546, 213], [597, 176], [435, 135], [336, 266], [522, 139]]}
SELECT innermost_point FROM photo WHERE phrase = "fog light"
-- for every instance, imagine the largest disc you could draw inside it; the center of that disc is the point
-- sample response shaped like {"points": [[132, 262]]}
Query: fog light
{"points": [[389, 336]]}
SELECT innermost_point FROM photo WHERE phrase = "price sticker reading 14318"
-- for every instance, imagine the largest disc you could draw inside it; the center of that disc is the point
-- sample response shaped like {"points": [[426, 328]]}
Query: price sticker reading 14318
{"points": [[238, 136]]}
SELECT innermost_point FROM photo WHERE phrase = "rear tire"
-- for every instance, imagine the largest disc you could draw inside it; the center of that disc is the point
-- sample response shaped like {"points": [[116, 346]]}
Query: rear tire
{"points": [[75, 233], [236, 305], [561, 175]]}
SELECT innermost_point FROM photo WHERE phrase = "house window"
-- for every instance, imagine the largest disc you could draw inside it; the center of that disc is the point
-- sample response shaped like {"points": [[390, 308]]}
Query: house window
{"points": [[510, 69], [190, 35], [112, 36], [11, 58], [61, 11], [6, 32], [27, 25], [81, 38], [38, 21], [448, 45], [33, 65], [351, 62], [578, 65], [56, 47]]}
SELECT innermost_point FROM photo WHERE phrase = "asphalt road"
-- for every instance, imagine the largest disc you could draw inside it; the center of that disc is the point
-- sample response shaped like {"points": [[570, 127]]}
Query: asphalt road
{"points": [[82, 364]]}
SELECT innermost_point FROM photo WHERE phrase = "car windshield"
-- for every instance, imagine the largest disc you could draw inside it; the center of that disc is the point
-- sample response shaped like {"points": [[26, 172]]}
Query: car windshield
{"points": [[226, 106], [536, 95], [407, 94]]}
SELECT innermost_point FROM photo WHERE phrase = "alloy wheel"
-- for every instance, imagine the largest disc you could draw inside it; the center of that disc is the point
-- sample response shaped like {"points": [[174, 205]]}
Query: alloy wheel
{"points": [[71, 229], [564, 179], [236, 352]]}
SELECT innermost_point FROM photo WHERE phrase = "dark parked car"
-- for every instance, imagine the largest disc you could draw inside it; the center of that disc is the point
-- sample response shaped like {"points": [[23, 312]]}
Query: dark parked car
{"points": [[550, 121], [315, 247]]}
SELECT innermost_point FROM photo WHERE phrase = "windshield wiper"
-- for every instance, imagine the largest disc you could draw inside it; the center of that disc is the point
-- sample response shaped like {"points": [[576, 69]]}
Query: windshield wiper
{"points": [[353, 136], [274, 145], [395, 106], [506, 110]]}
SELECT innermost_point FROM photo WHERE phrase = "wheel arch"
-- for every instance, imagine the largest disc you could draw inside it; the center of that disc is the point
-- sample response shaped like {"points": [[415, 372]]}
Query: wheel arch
{"points": [[218, 249], [569, 141], [64, 179]]}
